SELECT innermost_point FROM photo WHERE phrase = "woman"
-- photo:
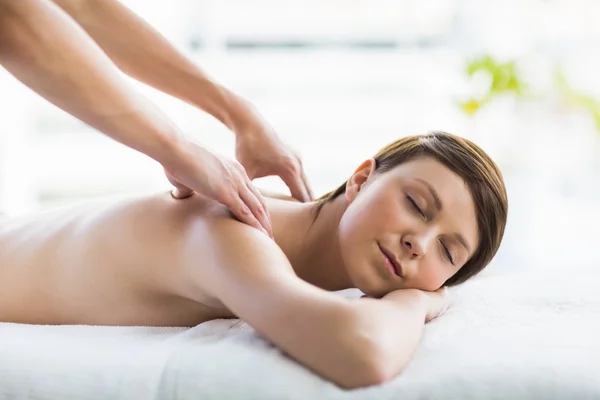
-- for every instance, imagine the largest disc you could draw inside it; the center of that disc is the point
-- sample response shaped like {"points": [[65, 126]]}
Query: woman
{"points": [[426, 212]]}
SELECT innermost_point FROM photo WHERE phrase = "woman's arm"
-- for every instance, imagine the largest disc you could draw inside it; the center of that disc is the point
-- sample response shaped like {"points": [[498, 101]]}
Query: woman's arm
{"points": [[353, 343], [144, 54]]}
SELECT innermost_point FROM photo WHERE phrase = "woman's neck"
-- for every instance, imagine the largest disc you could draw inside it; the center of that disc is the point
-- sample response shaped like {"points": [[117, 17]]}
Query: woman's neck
{"points": [[311, 244]]}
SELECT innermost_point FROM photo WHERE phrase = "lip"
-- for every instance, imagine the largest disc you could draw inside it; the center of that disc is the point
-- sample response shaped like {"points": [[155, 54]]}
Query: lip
{"points": [[390, 256]]}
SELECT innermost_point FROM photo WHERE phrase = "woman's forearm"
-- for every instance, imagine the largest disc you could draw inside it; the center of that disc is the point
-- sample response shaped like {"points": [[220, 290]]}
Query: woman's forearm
{"points": [[363, 343], [395, 324], [46, 50], [366, 343], [353, 343], [143, 53]]}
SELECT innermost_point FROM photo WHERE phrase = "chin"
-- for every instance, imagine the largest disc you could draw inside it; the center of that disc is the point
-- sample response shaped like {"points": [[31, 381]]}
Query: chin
{"points": [[370, 283], [375, 293], [366, 276]]}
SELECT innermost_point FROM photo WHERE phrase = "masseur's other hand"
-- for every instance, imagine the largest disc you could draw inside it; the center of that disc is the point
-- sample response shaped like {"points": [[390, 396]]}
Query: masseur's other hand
{"points": [[262, 153], [199, 170]]}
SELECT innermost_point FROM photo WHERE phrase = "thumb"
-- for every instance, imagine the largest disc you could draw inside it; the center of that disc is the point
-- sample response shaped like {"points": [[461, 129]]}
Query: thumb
{"points": [[446, 300], [297, 185], [181, 191], [179, 194], [297, 188]]}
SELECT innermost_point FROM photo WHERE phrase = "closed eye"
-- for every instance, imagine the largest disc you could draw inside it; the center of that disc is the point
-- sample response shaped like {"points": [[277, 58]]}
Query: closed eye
{"points": [[448, 254], [415, 206]]}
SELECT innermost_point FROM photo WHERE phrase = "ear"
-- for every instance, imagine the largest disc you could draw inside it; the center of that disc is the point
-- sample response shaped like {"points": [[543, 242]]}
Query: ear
{"points": [[362, 174]]}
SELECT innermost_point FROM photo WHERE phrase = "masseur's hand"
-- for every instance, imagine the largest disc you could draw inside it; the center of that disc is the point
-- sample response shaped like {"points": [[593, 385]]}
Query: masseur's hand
{"points": [[199, 170], [262, 153]]}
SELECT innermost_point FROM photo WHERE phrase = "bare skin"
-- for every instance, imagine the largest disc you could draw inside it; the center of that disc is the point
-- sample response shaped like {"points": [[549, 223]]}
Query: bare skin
{"points": [[55, 47], [154, 260], [109, 264]]}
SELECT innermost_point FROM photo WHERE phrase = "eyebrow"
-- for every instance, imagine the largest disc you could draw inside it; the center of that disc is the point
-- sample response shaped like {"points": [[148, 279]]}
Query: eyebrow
{"points": [[438, 206], [436, 198], [461, 239]]}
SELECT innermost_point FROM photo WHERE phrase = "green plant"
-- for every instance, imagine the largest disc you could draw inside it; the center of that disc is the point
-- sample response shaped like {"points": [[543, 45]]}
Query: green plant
{"points": [[576, 99], [504, 78]]}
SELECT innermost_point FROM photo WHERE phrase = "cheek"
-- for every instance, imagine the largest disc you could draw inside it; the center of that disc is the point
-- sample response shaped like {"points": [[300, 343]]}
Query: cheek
{"points": [[353, 232], [364, 222], [368, 216], [430, 277]]}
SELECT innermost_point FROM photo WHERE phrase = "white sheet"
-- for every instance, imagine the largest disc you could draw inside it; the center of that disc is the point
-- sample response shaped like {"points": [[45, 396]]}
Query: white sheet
{"points": [[534, 335]]}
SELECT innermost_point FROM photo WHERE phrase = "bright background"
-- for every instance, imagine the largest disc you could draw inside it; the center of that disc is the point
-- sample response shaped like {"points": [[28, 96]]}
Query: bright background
{"points": [[340, 79]]}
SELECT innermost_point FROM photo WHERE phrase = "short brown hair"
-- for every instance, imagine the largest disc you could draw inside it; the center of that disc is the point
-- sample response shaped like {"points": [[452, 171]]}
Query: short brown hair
{"points": [[472, 164]]}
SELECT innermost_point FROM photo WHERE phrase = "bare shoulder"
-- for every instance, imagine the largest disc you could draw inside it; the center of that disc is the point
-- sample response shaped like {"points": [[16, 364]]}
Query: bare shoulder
{"points": [[219, 248], [186, 246], [278, 196], [141, 251]]}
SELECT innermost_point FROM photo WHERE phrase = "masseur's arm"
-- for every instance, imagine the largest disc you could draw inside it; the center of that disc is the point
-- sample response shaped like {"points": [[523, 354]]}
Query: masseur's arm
{"points": [[49, 52], [353, 343], [143, 53]]}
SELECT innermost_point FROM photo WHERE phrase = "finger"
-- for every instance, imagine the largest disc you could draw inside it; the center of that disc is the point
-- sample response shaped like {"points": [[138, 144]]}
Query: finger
{"points": [[241, 211], [311, 195], [444, 309], [250, 197], [297, 187], [180, 191], [261, 199], [178, 194], [246, 178], [257, 208]]}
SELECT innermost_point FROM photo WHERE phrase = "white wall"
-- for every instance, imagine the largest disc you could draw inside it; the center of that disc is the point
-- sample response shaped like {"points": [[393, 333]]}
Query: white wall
{"points": [[339, 105]]}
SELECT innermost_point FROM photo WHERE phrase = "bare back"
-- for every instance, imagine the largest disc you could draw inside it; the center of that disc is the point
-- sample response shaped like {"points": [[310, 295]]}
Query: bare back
{"points": [[114, 262]]}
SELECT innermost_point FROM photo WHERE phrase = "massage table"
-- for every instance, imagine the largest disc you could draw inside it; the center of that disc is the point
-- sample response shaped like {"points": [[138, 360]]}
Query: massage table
{"points": [[532, 334]]}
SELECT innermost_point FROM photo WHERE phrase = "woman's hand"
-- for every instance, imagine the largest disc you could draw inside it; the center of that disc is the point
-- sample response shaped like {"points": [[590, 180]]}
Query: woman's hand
{"points": [[438, 303], [262, 153], [199, 170], [431, 304]]}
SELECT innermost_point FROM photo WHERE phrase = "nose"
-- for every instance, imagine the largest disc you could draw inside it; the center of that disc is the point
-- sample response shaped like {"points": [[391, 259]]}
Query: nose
{"points": [[414, 246]]}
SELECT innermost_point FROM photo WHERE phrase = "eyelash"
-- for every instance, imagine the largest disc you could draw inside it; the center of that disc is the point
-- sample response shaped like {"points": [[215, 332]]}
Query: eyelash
{"points": [[447, 253], [415, 206], [418, 209]]}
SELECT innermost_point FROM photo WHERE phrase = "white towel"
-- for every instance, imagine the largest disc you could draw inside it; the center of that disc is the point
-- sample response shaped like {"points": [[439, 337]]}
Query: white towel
{"points": [[530, 335]]}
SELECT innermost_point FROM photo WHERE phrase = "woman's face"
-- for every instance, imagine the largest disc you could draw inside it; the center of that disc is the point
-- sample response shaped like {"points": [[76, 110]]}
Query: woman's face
{"points": [[413, 226]]}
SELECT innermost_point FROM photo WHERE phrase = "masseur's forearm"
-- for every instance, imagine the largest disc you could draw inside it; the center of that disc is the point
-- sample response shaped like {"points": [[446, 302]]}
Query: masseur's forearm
{"points": [[46, 50], [144, 54]]}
